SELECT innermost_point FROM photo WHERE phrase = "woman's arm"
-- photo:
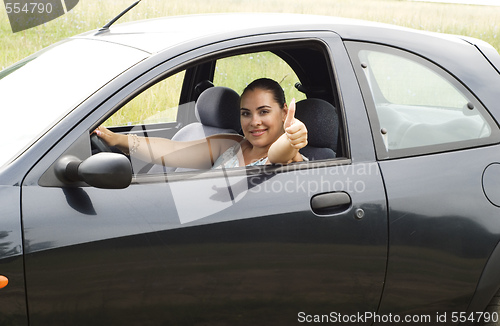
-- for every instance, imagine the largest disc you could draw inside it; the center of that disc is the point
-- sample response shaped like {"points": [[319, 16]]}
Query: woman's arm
{"points": [[286, 148], [196, 154]]}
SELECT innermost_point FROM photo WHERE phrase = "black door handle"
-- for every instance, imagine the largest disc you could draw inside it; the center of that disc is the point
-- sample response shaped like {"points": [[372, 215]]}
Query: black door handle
{"points": [[330, 203]]}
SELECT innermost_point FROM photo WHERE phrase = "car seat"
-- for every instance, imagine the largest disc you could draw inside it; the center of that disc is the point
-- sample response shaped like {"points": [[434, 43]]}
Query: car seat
{"points": [[322, 123], [218, 111]]}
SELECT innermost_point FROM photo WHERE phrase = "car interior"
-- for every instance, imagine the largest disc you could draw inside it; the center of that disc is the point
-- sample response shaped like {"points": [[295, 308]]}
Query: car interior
{"points": [[206, 99]]}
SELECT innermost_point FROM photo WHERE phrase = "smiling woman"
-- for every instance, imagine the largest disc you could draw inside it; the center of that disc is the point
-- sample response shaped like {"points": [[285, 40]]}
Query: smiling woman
{"points": [[272, 135]]}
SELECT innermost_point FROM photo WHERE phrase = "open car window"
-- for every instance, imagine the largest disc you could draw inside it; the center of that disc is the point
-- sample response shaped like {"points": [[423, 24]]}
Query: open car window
{"points": [[257, 65], [175, 107], [157, 104]]}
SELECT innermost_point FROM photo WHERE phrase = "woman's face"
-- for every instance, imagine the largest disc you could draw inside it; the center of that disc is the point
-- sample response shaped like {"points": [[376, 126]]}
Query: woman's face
{"points": [[261, 117]]}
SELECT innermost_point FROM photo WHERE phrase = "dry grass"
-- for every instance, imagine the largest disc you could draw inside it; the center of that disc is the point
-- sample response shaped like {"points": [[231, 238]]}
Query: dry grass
{"points": [[91, 14]]}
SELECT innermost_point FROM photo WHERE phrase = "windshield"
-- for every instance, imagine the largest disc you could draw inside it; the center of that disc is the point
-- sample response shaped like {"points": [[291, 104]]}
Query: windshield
{"points": [[41, 89]]}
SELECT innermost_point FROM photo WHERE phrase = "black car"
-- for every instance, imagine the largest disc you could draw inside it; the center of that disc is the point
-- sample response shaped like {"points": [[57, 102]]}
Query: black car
{"points": [[395, 217]]}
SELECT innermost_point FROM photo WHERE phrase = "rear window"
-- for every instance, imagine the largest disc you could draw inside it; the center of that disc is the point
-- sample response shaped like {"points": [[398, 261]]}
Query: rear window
{"points": [[417, 107]]}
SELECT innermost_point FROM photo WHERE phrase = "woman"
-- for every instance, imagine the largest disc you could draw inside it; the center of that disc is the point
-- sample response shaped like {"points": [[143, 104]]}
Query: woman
{"points": [[272, 135]]}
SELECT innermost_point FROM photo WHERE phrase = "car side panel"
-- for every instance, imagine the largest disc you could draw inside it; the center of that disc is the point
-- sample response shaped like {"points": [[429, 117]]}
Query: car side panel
{"points": [[13, 310], [125, 256], [98, 256], [488, 285], [442, 228]]}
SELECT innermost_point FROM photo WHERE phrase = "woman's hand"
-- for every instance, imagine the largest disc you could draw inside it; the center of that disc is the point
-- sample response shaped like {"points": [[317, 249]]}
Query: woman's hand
{"points": [[109, 137], [295, 130], [286, 148]]}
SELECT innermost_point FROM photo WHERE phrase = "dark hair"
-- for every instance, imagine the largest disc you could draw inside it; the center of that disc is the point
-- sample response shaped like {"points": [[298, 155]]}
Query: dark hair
{"points": [[270, 85]]}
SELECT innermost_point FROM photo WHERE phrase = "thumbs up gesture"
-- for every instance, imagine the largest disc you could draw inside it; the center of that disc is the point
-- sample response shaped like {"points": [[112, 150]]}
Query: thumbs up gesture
{"points": [[295, 130]]}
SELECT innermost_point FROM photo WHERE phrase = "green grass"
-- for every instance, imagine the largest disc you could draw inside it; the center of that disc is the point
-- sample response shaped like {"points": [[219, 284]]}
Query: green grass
{"points": [[159, 103], [154, 105], [475, 21], [92, 14]]}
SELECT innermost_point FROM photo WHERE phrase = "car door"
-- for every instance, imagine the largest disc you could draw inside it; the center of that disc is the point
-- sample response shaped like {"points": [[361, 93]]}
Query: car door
{"points": [[264, 245], [434, 138]]}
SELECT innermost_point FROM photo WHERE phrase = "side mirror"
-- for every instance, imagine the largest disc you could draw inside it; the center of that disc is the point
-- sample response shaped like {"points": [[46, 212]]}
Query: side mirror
{"points": [[103, 170]]}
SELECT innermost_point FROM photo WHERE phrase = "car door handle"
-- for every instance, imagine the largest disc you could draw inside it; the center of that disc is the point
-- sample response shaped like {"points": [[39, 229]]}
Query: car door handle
{"points": [[330, 203]]}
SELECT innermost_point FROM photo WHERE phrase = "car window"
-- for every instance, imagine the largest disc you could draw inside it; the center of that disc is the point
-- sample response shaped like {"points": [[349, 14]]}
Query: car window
{"points": [[157, 104], [255, 65], [418, 107], [204, 100]]}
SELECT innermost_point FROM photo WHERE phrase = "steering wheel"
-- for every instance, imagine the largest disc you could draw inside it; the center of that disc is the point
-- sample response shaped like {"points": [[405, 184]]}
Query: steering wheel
{"points": [[99, 144]]}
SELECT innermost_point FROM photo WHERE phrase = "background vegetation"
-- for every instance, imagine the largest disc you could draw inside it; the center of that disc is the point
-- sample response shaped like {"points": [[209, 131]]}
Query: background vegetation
{"points": [[159, 103], [471, 20]]}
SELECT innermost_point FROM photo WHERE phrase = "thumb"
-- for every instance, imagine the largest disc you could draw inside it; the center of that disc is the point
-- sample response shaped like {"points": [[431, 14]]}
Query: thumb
{"points": [[290, 117]]}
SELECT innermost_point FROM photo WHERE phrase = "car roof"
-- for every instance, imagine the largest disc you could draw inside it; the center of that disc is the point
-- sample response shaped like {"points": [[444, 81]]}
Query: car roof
{"points": [[465, 58], [155, 35]]}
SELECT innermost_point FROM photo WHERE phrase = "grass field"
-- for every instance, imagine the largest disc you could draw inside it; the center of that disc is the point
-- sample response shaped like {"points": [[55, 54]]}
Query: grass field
{"points": [[470, 20]]}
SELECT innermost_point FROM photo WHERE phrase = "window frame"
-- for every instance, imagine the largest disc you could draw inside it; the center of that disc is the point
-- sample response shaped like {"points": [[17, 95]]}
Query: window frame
{"points": [[383, 153], [195, 60]]}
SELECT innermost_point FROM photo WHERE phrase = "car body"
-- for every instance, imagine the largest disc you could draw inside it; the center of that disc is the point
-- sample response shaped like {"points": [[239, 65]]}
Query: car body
{"points": [[402, 223]]}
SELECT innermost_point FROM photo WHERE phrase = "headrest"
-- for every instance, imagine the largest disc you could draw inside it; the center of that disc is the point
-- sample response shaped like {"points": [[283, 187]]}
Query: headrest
{"points": [[219, 107], [321, 120]]}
